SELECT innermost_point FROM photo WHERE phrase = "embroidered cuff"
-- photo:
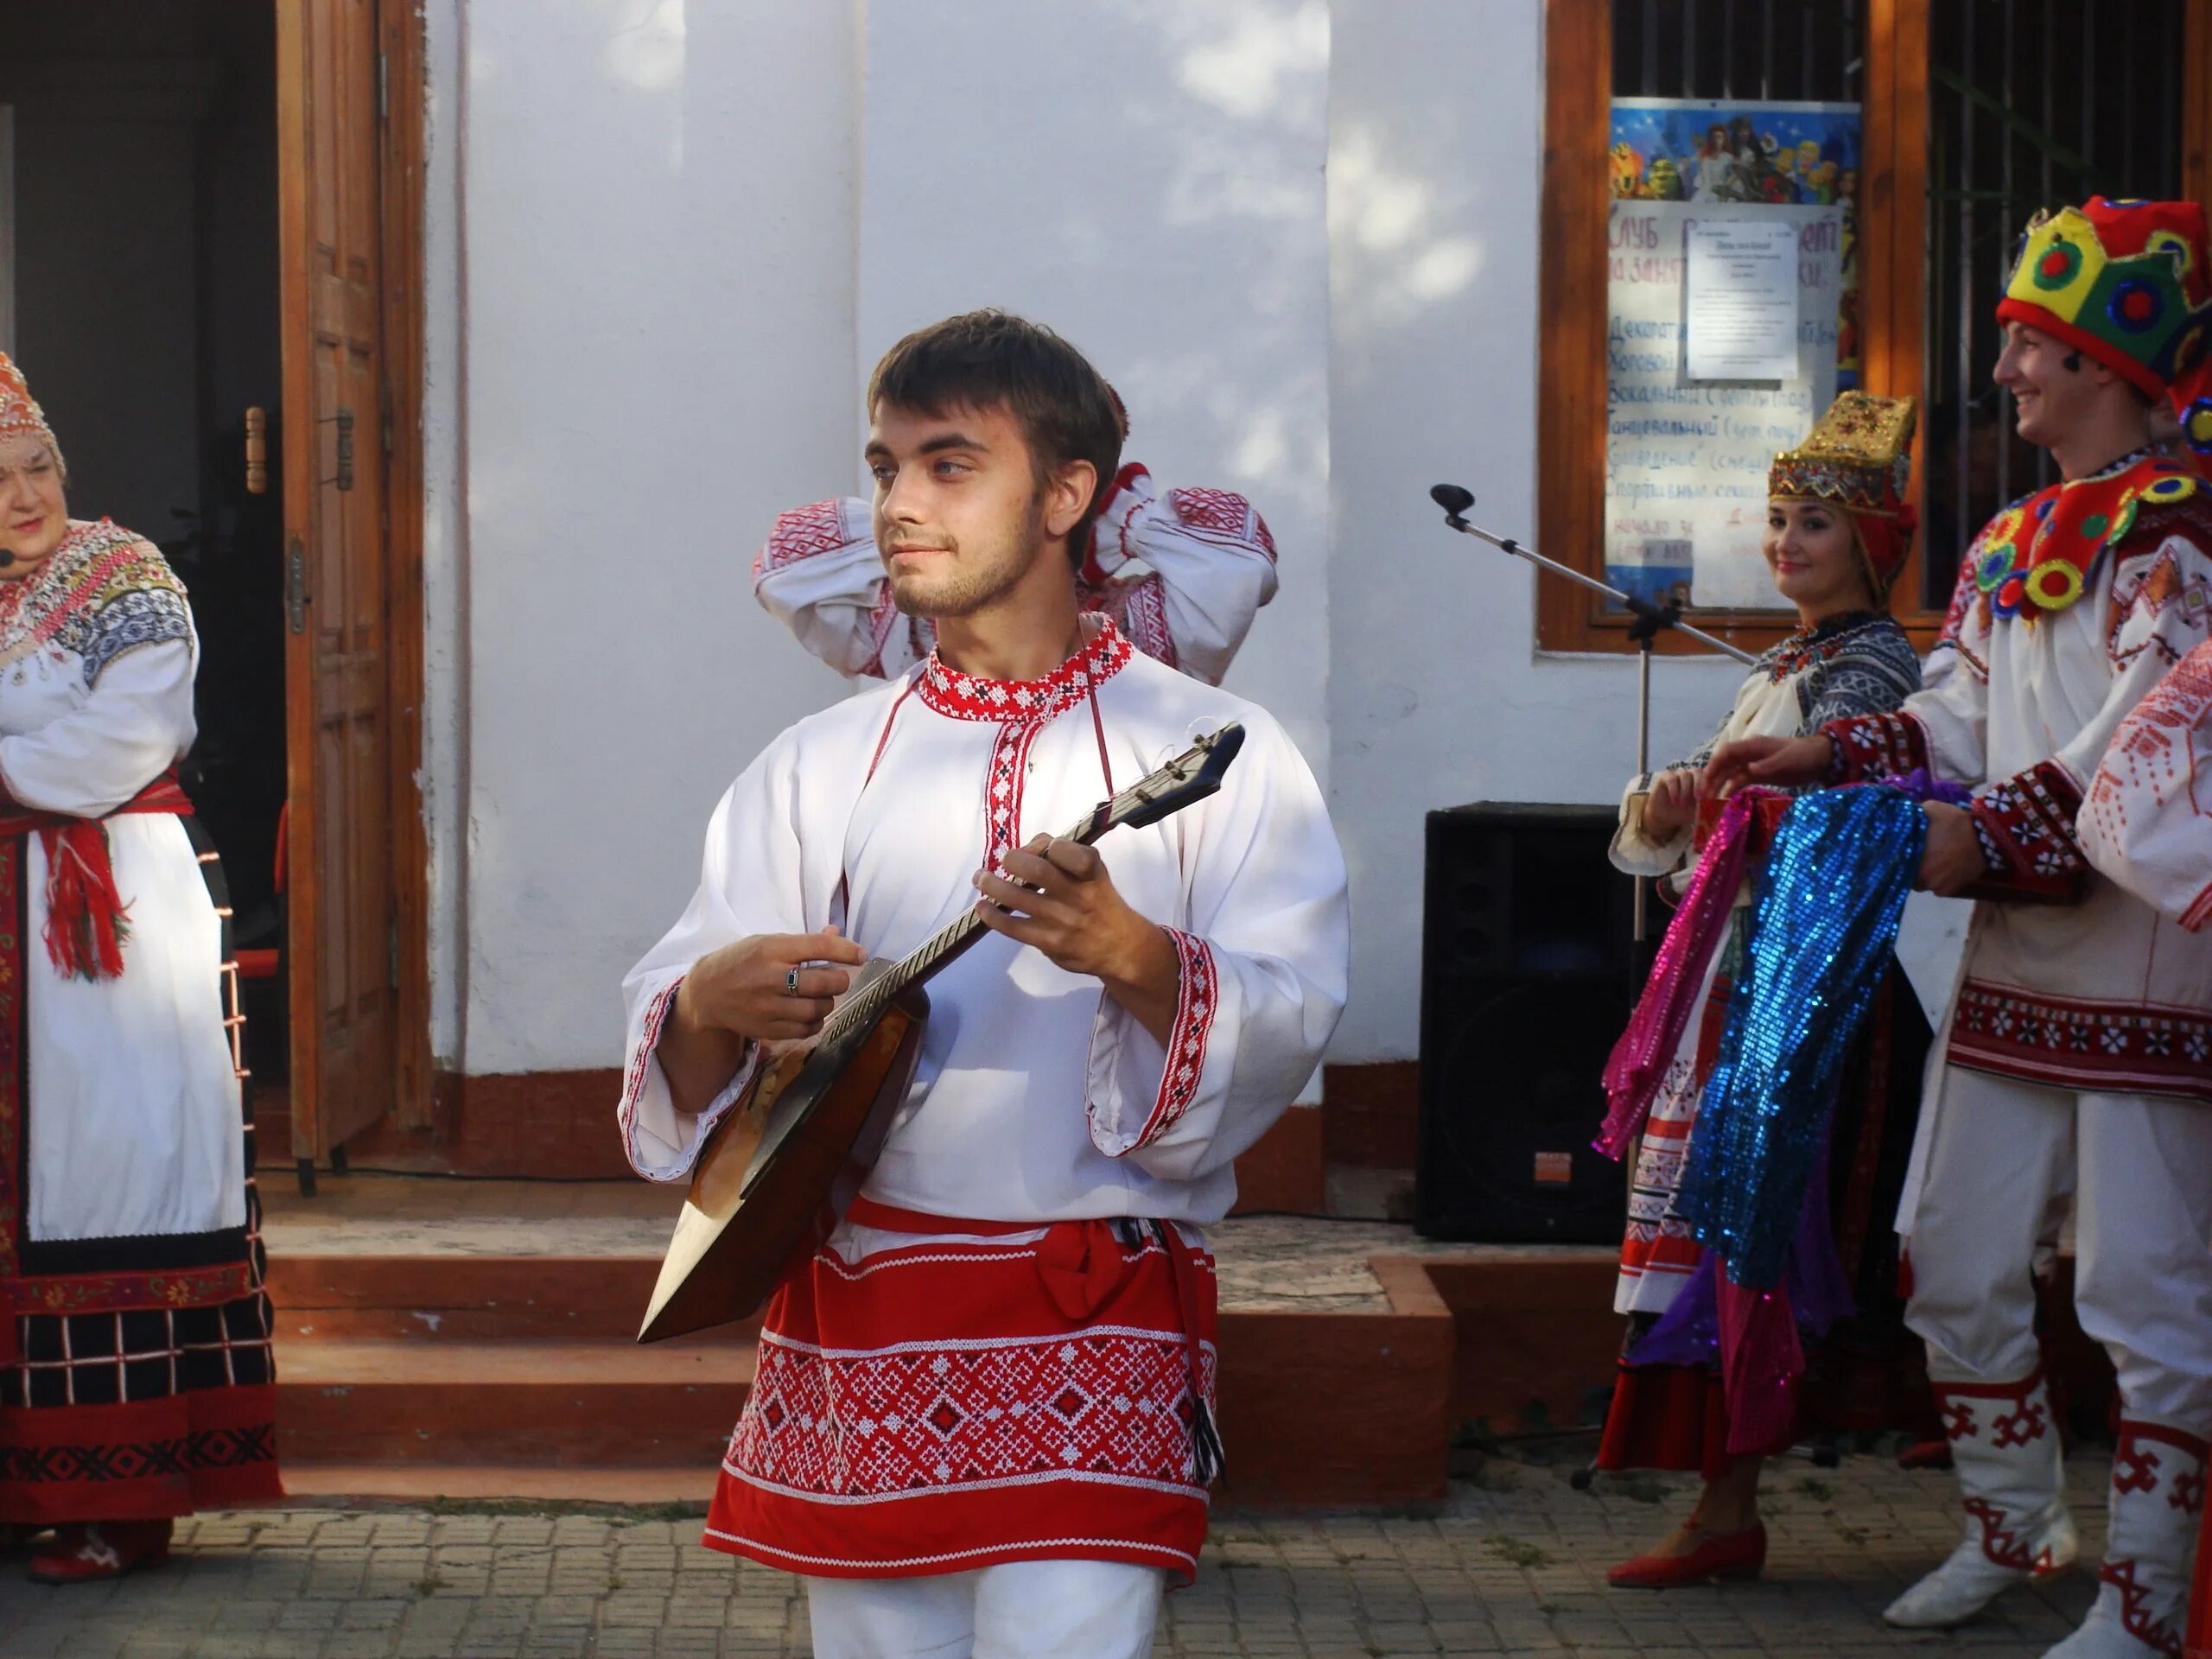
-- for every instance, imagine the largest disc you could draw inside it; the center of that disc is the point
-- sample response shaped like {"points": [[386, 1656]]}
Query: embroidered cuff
{"points": [[803, 533], [1183, 1066], [2025, 823], [1993, 856], [1871, 746], [637, 1083], [1109, 530], [2199, 912]]}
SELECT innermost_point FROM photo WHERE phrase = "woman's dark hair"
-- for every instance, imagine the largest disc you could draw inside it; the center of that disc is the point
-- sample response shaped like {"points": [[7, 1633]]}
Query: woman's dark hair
{"points": [[987, 359]]}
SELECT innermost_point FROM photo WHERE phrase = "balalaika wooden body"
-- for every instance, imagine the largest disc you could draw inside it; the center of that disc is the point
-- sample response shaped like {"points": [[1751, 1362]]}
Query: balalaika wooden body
{"points": [[779, 1172]]}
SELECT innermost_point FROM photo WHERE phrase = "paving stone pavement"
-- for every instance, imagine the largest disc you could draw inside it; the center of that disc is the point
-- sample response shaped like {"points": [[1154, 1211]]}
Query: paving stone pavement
{"points": [[1513, 1563]]}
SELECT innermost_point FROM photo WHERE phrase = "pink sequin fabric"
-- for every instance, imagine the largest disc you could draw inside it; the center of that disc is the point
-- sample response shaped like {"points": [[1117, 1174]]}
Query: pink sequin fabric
{"points": [[1639, 1059]]}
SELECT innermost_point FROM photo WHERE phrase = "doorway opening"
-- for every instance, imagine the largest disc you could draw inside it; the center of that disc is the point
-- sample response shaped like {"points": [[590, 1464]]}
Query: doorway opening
{"points": [[167, 176]]}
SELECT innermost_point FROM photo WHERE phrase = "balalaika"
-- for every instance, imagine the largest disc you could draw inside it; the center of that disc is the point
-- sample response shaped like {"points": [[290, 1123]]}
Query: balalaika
{"points": [[779, 1172]]}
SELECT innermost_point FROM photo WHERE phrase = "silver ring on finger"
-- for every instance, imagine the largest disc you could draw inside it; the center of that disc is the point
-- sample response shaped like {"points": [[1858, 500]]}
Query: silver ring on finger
{"points": [[791, 980]]}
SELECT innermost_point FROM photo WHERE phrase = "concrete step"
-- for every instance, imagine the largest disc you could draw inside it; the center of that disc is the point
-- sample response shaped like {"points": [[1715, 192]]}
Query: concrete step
{"points": [[449, 1297], [516, 1404], [476, 1339]]}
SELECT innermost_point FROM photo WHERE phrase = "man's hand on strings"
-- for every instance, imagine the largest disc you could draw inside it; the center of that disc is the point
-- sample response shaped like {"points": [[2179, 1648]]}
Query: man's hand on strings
{"points": [[1784, 762], [1057, 895], [1670, 806], [1952, 861], [769, 987]]}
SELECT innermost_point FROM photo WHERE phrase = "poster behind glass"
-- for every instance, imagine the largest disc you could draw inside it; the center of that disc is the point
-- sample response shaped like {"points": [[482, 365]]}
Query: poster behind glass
{"points": [[1685, 460]]}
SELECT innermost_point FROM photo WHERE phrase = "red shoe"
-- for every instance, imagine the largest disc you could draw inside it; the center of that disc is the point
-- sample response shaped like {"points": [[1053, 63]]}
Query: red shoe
{"points": [[1926, 1454], [103, 1549], [1718, 1556]]}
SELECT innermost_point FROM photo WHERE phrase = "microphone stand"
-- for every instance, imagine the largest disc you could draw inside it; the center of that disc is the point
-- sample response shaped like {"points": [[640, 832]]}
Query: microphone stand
{"points": [[1650, 621]]}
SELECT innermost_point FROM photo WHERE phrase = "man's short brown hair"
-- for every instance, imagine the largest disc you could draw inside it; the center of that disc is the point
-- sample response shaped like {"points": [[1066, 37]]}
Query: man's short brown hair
{"points": [[990, 358]]}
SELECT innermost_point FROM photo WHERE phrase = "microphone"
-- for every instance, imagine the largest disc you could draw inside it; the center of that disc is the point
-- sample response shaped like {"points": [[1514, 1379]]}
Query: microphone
{"points": [[7, 557], [1452, 497]]}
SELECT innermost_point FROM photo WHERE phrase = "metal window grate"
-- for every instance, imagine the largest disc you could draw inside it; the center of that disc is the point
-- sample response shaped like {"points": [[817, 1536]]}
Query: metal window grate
{"points": [[1762, 50], [2032, 104]]}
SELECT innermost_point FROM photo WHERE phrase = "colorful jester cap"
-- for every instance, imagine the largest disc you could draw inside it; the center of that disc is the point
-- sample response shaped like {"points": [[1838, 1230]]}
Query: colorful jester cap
{"points": [[2192, 396], [1859, 457], [2126, 283], [20, 418]]}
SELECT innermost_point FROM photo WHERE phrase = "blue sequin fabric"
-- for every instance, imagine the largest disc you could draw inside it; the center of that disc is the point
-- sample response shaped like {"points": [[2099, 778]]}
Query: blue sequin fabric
{"points": [[1826, 908]]}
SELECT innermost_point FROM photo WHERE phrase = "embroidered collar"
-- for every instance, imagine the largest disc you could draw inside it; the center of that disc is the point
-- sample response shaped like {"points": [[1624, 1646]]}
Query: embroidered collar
{"points": [[2035, 556], [94, 559], [968, 696], [1823, 639]]}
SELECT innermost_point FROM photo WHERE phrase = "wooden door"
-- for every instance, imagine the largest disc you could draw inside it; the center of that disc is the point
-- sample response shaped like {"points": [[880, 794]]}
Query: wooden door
{"points": [[343, 941]]}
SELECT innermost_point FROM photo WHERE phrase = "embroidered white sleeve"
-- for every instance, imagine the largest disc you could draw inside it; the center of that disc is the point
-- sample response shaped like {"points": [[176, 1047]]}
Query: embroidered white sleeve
{"points": [[2161, 611], [663, 1143], [750, 882], [1952, 706], [1634, 848], [1264, 952], [1215, 558], [820, 575], [2147, 822], [134, 724]]}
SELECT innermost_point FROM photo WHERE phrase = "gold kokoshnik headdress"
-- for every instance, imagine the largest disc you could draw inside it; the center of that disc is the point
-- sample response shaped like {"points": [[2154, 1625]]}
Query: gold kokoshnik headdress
{"points": [[1859, 457]]}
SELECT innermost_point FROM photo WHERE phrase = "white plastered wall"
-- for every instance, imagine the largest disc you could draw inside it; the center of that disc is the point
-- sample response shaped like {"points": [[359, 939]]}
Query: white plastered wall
{"points": [[653, 278], [667, 244], [1437, 695]]}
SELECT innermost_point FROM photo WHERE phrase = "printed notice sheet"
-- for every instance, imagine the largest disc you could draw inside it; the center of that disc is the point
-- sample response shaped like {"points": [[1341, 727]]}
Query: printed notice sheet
{"points": [[1739, 304]]}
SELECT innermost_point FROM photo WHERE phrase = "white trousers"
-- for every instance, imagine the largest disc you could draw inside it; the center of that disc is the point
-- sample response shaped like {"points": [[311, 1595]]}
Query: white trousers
{"points": [[2141, 1171], [1018, 1610]]}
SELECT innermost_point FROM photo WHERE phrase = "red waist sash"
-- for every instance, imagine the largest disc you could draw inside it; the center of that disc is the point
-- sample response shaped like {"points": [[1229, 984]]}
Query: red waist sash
{"points": [[86, 920], [1080, 1262]]}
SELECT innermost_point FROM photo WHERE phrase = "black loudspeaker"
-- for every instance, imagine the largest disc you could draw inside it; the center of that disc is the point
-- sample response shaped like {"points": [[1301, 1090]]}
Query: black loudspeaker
{"points": [[1528, 976]]}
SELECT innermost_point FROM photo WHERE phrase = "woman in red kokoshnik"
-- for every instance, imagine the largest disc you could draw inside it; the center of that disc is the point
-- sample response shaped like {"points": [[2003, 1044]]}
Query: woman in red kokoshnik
{"points": [[1838, 531], [135, 1382]]}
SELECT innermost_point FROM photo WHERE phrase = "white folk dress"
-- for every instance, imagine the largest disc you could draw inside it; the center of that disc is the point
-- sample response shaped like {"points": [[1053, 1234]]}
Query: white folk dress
{"points": [[137, 1383], [1006, 1352], [1182, 574]]}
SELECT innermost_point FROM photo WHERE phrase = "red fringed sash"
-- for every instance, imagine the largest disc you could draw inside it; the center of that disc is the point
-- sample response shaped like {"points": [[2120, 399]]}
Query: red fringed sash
{"points": [[86, 920]]}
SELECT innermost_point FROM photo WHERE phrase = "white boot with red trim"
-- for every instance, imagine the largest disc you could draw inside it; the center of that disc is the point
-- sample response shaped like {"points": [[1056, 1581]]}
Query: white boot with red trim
{"points": [[2157, 1493], [2004, 1446]]}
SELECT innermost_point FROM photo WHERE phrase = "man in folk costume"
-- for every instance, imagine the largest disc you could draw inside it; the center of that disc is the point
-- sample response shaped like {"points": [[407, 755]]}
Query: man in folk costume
{"points": [[1182, 572], [2147, 824], [2077, 1043], [135, 1381], [981, 1419]]}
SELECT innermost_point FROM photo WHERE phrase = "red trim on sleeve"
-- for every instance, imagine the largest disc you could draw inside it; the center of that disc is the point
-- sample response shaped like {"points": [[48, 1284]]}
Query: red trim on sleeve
{"points": [[1870, 747], [1197, 994], [633, 1078], [802, 533], [2027, 822]]}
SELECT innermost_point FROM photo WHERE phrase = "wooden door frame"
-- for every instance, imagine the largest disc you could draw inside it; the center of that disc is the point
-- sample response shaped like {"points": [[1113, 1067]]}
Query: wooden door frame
{"points": [[400, 183]]}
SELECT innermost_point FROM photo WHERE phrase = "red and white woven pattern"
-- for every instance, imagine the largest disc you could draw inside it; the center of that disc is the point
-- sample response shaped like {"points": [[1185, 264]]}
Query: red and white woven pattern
{"points": [[1873, 746], [2117, 1047], [1198, 998], [969, 696], [2028, 821], [956, 1401], [1022, 708], [799, 534], [1221, 515]]}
